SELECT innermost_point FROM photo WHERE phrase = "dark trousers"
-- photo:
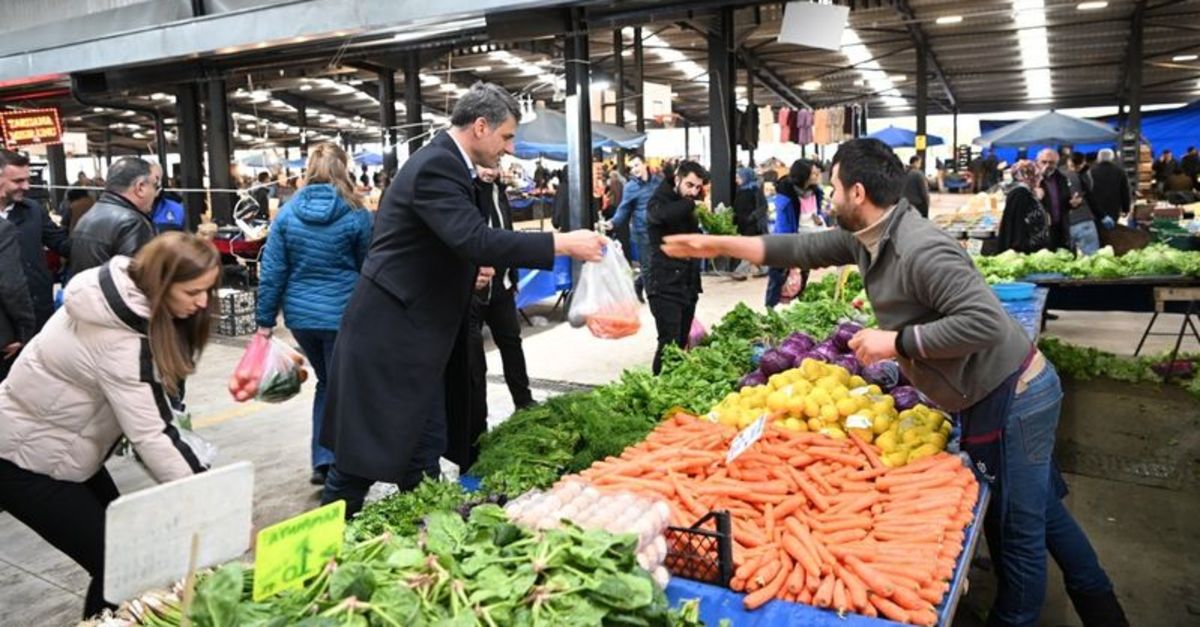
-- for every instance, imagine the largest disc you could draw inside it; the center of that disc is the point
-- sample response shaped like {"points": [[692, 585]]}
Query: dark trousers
{"points": [[317, 345], [673, 320], [66, 514], [424, 463], [500, 315]]}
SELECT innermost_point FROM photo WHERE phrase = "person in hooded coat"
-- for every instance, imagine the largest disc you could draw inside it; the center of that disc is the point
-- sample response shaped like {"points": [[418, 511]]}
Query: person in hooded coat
{"points": [[310, 264]]}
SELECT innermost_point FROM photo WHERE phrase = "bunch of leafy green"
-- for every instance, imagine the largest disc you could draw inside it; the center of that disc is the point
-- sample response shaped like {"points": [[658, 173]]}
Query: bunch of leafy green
{"points": [[1082, 362], [1153, 260], [401, 513], [717, 221], [483, 571]]}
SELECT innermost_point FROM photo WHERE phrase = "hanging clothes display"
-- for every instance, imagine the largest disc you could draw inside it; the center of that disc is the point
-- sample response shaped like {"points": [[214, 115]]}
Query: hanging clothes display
{"points": [[848, 122], [785, 126], [821, 126], [766, 125], [804, 126]]}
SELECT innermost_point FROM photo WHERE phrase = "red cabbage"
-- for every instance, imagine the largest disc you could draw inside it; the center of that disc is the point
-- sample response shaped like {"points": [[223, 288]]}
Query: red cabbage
{"points": [[752, 379], [774, 361], [885, 374], [803, 340], [844, 333], [906, 397], [847, 361], [791, 350], [827, 352]]}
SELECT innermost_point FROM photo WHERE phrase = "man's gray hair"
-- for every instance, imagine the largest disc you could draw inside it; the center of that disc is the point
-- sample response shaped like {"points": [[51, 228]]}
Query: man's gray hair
{"points": [[125, 173], [488, 101], [1105, 155]]}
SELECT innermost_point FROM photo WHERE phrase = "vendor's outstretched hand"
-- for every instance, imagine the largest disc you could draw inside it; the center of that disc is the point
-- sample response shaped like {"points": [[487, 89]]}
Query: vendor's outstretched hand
{"points": [[583, 244], [692, 246]]}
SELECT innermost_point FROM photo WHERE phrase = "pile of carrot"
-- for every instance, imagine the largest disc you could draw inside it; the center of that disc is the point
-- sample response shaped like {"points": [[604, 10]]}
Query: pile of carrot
{"points": [[815, 520]]}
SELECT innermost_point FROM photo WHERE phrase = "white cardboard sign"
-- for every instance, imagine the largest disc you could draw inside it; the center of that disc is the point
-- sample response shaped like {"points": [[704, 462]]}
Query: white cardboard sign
{"points": [[745, 438], [813, 25], [148, 534]]}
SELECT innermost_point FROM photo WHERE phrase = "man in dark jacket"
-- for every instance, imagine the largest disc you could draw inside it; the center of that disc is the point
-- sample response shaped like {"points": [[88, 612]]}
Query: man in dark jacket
{"points": [[1191, 165], [119, 223], [391, 377], [916, 187], [1110, 187], [673, 285], [17, 321], [1163, 167], [35, 231], [1057, 199], [953, 340]]}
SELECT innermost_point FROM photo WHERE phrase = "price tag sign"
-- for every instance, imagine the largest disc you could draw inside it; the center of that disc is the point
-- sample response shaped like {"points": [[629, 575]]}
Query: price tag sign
{"points": [[290, 552], [746, 438], [919, 142]]}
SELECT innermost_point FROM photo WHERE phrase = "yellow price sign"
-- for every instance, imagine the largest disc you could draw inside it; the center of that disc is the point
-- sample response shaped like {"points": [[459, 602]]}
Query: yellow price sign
{"points": [[290, 552], [919, 142]]}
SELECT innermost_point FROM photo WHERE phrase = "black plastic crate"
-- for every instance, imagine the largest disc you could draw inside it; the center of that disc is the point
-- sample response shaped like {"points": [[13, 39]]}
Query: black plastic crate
{"points": [[702, 552]]}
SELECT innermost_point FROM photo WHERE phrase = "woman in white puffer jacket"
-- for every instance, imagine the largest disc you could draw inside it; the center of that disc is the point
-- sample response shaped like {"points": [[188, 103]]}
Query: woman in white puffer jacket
{"points": [[104, 366]]}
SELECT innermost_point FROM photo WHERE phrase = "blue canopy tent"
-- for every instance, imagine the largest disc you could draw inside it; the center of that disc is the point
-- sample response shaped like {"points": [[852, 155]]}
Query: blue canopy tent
{"points": [[546, 136], [370, 159], [903, 138], [1051, 130], [261, 160], [296, 163]]}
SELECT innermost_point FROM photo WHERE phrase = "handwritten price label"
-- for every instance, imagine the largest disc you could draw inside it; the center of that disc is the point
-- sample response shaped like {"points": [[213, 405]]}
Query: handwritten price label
{"points": [[745, 438], [290, 552]]}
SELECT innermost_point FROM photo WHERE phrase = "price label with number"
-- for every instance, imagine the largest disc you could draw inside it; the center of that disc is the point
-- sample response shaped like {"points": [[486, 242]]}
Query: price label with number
{"points": [[290, 552], [745, 438]]}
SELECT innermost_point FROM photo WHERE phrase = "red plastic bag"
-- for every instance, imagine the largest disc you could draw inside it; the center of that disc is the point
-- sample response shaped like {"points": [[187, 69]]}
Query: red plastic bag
{"points": [[605, 300], [268, 371]]}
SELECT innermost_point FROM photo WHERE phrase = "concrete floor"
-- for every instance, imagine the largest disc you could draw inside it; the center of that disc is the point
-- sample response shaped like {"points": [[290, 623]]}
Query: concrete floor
{"points": [[1146, 536]]}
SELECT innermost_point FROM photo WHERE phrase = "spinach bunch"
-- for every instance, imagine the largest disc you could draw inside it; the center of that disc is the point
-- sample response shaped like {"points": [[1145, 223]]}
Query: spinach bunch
{"points": [[483, 571], [401, 513]]}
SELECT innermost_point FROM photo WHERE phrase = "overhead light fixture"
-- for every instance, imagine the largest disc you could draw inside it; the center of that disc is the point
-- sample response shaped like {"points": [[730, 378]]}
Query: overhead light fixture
{"points": [[448, 87], [601, 84], [355, 81], [305, 87], [482, 68], [810, 85], [897, 78], [949, 19], [98, 109], [1032, 41], [1091, 6], [1180, 58]]}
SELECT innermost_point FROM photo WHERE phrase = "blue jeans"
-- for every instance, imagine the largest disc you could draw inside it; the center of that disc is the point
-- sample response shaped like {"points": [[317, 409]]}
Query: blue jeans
{"points": [[1035, 521], [641, 242], [318, 348]]}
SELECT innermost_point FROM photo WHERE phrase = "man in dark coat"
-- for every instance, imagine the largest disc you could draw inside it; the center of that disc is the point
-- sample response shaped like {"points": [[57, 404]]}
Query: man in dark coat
{"points": [[16, 309], [916, 187], [119, 223], [391, 374], [1057, 199], [36, 231], [1111, 196], [673, 285]]}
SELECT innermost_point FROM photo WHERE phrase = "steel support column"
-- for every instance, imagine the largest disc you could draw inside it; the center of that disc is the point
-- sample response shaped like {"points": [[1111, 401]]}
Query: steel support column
{"points": [[412, 100], [1131, 138], [639, 78], [387, 119], [619, 80], [56, 157], [302, 122], [190, 139], [721, 106], [219, 152], [579, 127], [749, 106], [954, 140], [922, 99]]}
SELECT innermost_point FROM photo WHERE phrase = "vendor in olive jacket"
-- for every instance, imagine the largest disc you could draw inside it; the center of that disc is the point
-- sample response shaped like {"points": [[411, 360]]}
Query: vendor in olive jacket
{"points": [[673, 285], [392, 374], [959, 347]]}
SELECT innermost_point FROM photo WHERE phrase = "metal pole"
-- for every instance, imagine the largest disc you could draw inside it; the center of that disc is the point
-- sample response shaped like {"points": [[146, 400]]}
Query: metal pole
{"points": [[191, 143], [579, 127], [219, 151], [160, 143], [639, 69], [302, 121], [412, 98], [387, 119], [922, 100], [1131, 141], [687, 139], [56, 157], [721, 106], [749, 106], [954, 141], [619, 78]]}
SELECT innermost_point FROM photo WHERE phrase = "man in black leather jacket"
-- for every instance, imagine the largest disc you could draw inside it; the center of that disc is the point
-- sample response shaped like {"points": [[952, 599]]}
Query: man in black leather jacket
{"points": [[673, 285], [119, 223]]}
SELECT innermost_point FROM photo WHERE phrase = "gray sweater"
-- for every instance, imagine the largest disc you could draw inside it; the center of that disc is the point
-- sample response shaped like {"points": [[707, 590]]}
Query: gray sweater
{"points": [[957, 343]]}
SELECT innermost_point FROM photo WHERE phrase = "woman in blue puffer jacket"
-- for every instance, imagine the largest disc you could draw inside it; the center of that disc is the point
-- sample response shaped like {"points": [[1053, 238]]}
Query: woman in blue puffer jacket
{"points": [[309, 267]]}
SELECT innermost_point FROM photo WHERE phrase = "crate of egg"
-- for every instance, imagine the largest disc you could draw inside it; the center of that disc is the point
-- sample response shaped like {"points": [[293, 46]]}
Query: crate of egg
{"points": [[616, 512]]}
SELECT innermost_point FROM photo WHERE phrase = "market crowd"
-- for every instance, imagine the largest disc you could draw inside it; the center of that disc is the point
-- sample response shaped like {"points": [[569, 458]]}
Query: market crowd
{"points": [[389, 309]]}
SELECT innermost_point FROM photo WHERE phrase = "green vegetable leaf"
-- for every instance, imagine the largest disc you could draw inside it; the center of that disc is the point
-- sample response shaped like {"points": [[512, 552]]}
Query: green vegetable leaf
{"points": [[352, 580]]}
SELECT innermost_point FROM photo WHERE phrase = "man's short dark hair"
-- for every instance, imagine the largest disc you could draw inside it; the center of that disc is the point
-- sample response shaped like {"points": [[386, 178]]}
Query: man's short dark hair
{"points": [[873, 164], [263, 177], [8, 157], [914, 159], [690, 167], [125, 172], [75, 194], [488, 101], [1078, 158]]}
